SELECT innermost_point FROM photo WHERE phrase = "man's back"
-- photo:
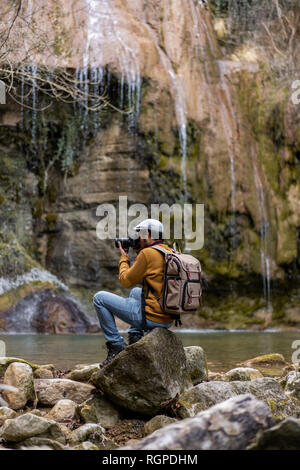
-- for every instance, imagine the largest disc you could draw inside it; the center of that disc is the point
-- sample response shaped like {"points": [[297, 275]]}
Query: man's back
{"points": [[149, 265]]}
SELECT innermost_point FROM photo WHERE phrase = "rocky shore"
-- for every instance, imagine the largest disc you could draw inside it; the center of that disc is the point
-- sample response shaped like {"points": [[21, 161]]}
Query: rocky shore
{"points": [[155, 395]]}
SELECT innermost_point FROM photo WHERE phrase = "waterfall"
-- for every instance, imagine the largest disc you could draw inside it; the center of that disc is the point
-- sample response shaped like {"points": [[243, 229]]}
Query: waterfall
{"points": [[264, 231]]}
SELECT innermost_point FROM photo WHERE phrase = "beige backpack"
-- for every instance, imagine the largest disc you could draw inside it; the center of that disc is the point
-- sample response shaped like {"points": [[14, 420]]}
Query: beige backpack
{"points": [[182, 284]]}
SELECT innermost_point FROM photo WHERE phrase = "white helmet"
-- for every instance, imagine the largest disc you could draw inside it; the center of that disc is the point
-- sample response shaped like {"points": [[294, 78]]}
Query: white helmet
{"points": [[155, 226]]}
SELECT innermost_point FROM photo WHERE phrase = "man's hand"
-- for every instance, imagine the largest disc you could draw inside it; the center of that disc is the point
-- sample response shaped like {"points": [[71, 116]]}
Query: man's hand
{"points": [[122, 251]]}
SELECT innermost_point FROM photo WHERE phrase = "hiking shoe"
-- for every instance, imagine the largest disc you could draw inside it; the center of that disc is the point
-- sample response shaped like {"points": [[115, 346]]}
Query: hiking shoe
{"points": [[134, 337], [113, 351]]}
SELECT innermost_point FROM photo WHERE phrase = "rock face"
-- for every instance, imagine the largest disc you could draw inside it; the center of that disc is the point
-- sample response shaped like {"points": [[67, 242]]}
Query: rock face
{"points": [[147, 375], [29, 425], [282, 436], [230, 425], [99, 410], [19, 375], [50, 391], [205, 395], [196, 363]]}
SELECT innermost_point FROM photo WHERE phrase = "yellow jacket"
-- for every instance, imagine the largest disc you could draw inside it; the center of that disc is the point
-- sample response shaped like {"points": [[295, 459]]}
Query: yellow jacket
{"points": [[149, 264]]}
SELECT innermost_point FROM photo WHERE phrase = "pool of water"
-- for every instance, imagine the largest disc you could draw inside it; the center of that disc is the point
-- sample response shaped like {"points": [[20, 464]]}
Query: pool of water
{"points": [[224, 349]]}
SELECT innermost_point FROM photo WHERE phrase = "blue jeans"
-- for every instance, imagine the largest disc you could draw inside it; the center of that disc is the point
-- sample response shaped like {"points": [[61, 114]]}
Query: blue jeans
{"points": [[127, 309]]}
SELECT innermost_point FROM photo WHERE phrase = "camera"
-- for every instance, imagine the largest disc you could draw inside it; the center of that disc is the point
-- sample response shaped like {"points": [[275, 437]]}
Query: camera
{"points": [[126, 243]]}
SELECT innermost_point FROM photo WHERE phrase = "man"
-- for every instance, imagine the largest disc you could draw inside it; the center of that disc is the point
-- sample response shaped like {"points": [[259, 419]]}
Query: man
{"points": [[149, 265]]}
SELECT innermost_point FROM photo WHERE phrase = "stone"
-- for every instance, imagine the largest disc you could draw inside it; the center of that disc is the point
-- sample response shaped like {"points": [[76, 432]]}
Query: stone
{"points": [[6, 413], [6, 361], [230, 425], [63, 410], [83, 374], [86, 445], [219, 376], [30, 425], [50, 391], [267, 389], [242, 373], [196, 363], [148, 375], [44, 372], [87, 432], [99, 410], [283, 436], [19, 375], [269, 364], [157, 422], [40, 442]]}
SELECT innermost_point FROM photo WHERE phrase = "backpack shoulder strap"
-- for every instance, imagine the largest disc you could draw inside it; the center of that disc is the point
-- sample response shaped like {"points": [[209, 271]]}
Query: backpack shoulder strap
{"points": [[161, 249]]}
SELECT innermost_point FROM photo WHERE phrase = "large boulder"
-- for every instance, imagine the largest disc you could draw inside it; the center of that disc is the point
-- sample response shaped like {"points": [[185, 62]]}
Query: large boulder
{"points": [[231, 425], [283, 436], [19, 375], [267, 389], [148, 375], [196, 363], [50, 391], [30, 425], [99, 410]]}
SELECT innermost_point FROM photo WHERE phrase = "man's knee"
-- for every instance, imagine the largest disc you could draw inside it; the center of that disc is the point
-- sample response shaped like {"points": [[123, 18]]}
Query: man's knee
{"points": [[136, 292], [98, 298]]}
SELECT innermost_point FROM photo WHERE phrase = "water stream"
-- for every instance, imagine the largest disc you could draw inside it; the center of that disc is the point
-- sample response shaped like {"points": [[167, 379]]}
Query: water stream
{"points": [[224, 350]]}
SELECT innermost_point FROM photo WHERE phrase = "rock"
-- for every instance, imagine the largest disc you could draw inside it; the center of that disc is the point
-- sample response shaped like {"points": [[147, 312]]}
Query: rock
{"points": [[29, 425], [99, 410], [158, 422], [269, 364], [50, 391], [267, 389], [63, 410], [36, 412], [44, 372], [6, 413], [91, 432], [231, 425], [37, 442], [19, 375], [292, 387], [86, 445], [242, 373], [283, 436], [6, 361], [83, 374], [196, 363], [147, 375], [215, 376]]}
